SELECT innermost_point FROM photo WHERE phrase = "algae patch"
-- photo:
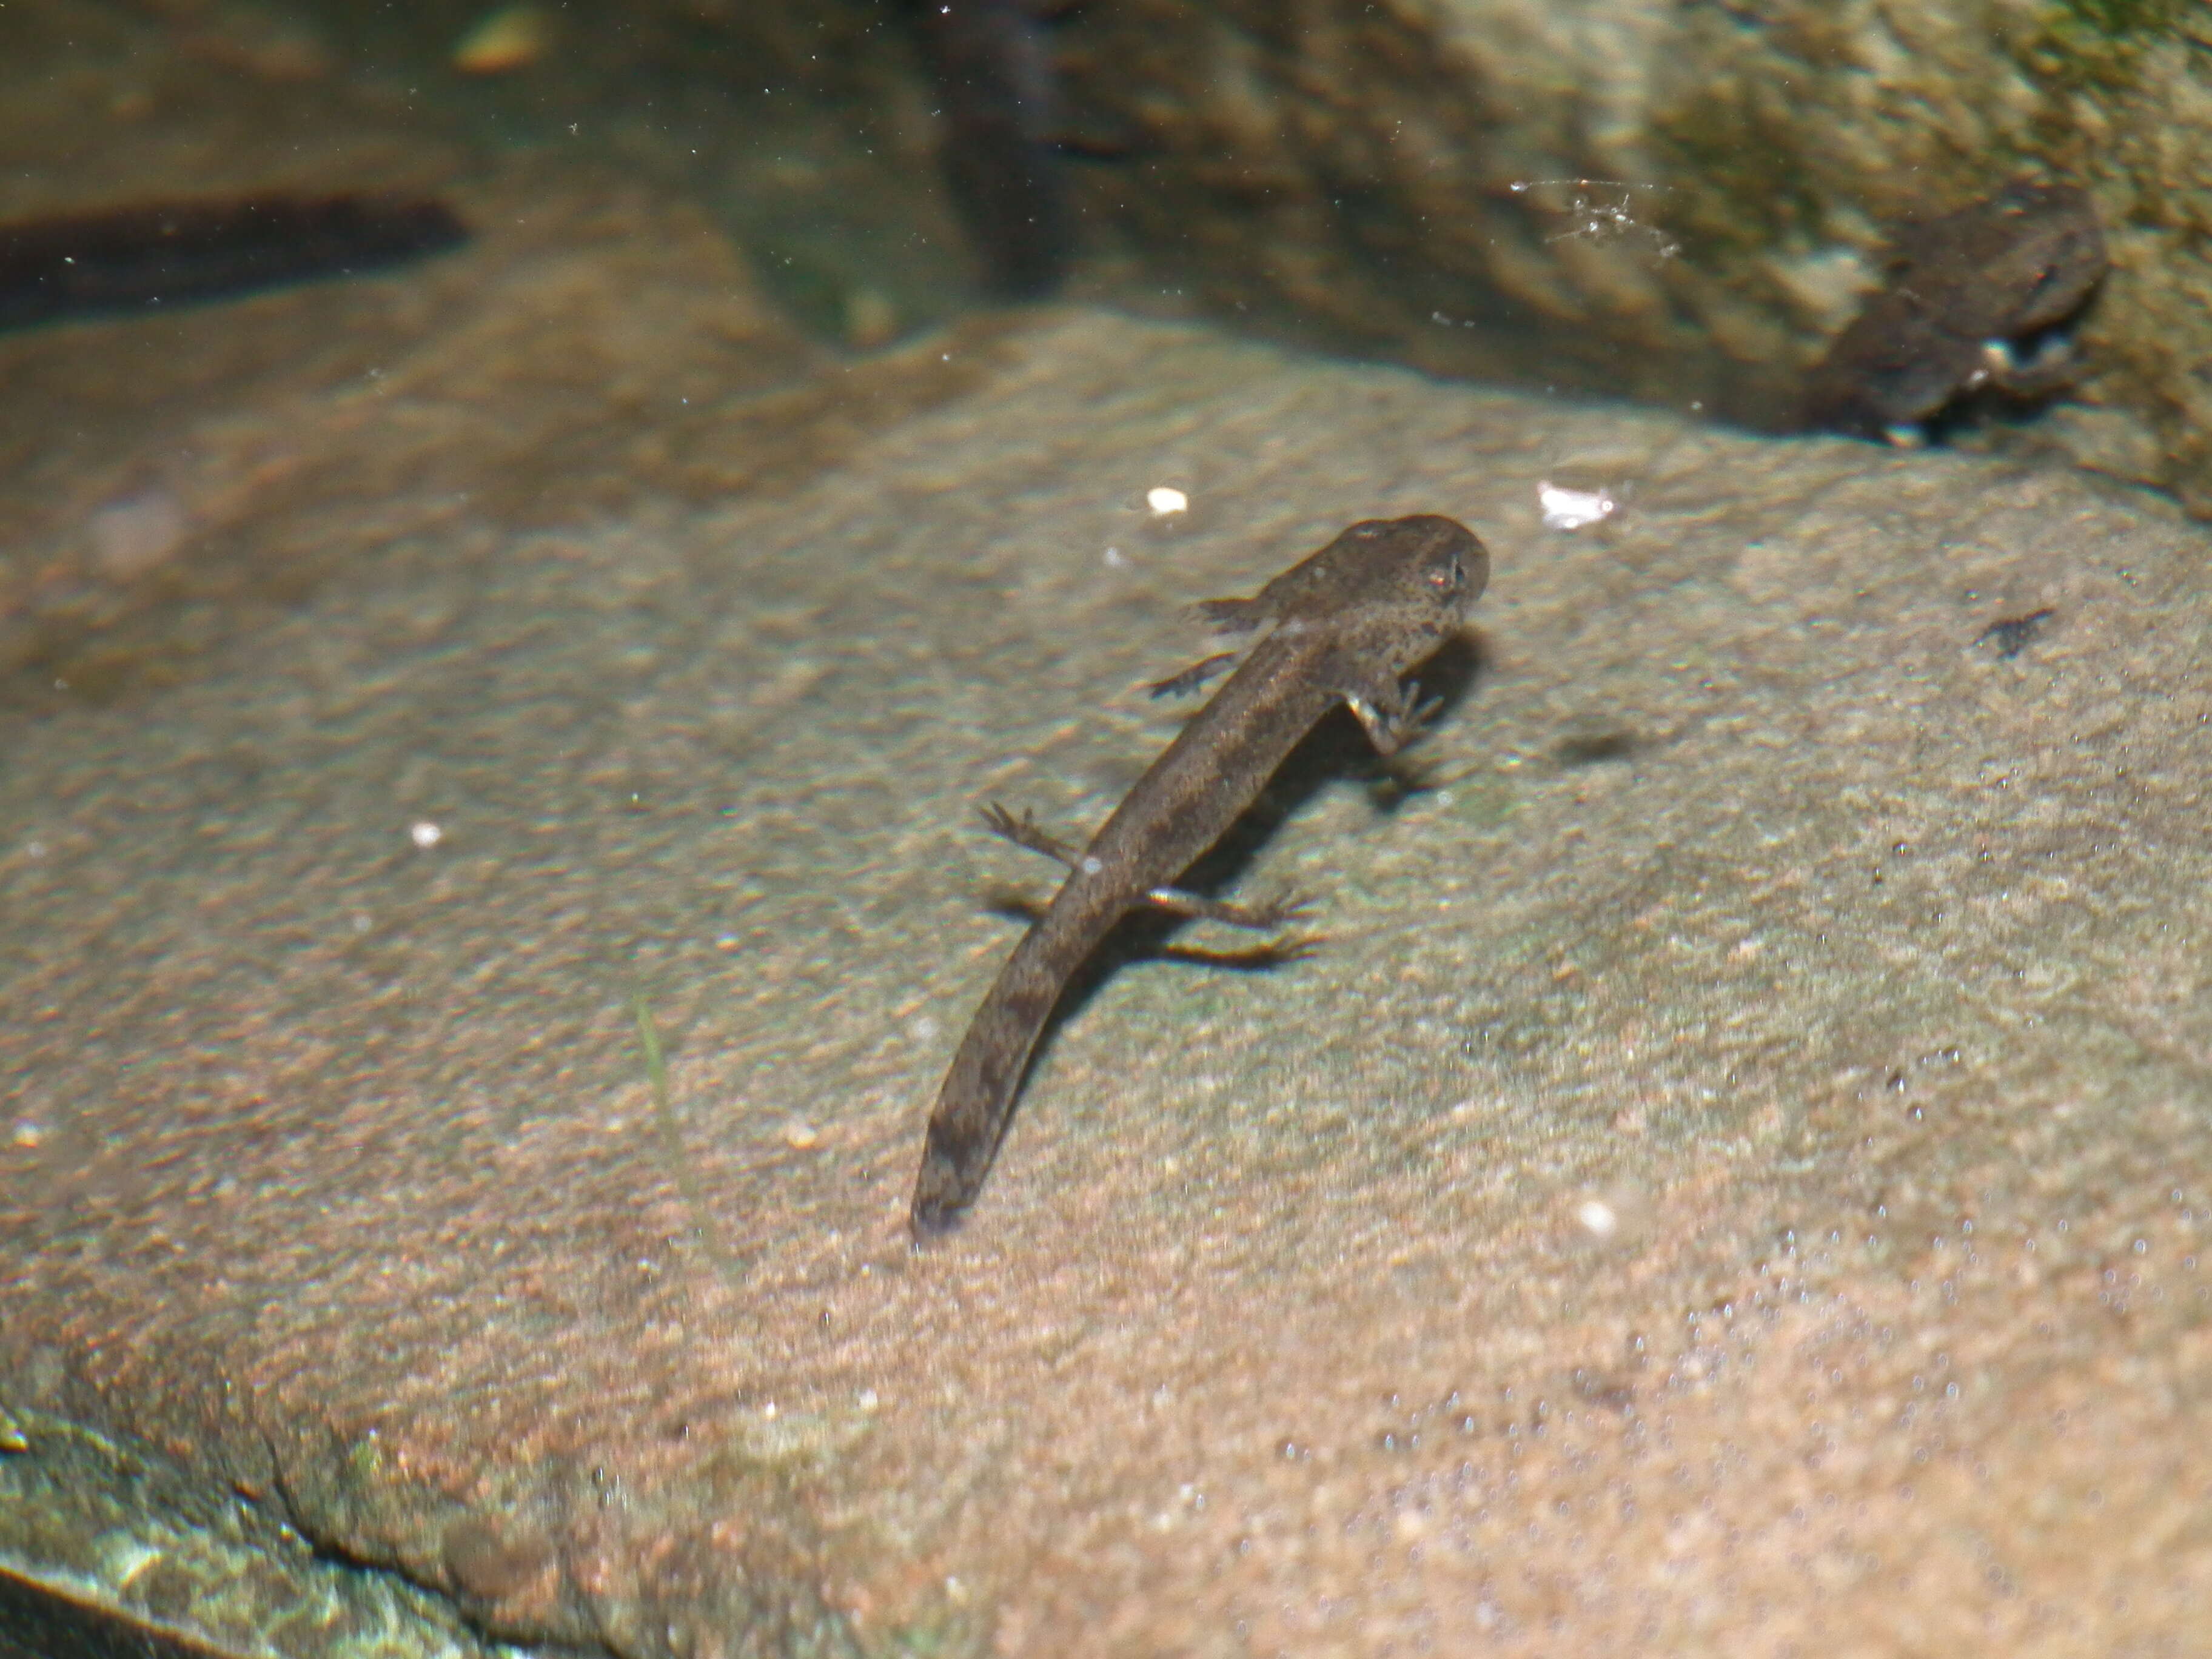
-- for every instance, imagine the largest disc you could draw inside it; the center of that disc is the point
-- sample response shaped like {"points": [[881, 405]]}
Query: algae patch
{"points": [[98, 1525]]}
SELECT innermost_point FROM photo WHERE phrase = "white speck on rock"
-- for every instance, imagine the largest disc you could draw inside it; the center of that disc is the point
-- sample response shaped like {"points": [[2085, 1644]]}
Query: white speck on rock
{"points": [[1572, 509], [132, 535]]}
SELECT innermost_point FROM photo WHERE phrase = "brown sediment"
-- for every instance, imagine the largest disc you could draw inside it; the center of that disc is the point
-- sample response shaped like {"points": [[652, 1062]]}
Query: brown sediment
{"points": [[1574, 1259], [596, 343]]}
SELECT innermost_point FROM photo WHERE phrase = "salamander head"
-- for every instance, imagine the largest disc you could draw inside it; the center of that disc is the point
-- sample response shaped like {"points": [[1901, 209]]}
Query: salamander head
{"points": [[1422, 573]]}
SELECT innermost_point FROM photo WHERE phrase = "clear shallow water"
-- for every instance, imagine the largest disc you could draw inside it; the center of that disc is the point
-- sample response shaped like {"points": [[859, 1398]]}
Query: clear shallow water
{"points": [[1706, 1167]]}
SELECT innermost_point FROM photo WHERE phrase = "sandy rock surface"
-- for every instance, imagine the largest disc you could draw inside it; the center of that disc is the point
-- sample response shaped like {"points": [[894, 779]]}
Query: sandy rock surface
{"points": [[1732, 1183]]}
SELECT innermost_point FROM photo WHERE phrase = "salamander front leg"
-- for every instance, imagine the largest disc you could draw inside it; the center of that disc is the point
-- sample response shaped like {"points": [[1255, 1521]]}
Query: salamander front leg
{"points": [[1023, 831], [1194, 677], [1393, 718]]}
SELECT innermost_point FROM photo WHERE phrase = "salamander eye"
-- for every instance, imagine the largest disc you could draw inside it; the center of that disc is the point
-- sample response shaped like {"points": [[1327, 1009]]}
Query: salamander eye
{"points": [[1444, 580]]}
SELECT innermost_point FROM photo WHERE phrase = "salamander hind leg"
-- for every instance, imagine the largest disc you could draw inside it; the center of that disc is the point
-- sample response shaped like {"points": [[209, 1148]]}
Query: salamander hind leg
{"points": [[1264, 917]]}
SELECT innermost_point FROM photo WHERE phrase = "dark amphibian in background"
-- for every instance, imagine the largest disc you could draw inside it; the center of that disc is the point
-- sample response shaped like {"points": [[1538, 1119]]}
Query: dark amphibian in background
{"points": [[997, 103], [130, 258], [1973, 298]]}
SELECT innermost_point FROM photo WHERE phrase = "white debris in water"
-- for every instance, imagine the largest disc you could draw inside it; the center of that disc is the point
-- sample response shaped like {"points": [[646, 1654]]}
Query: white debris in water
{"points": [[1572, 509], [1599, 1219], [425, 834], [1164, 499]]}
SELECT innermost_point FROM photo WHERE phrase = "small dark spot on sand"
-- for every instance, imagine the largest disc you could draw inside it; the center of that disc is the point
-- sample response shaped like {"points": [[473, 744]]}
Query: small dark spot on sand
{"points": [[2013, 633], [1594, 748]]}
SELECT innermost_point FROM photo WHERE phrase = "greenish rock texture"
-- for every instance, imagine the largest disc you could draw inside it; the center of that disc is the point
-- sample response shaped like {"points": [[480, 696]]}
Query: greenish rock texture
{"points": [[125, 1531], [1678, 202]]}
